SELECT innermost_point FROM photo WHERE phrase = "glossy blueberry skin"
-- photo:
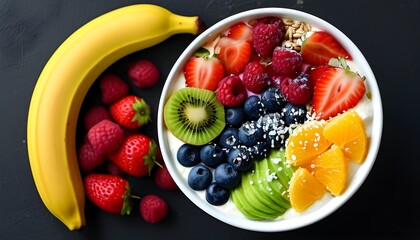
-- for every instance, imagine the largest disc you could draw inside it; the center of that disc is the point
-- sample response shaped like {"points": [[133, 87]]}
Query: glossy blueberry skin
{"points": [[217, 195], [229, 137], [249, 133], [212, 155], [227, 176], [240, 158], [199, 177], [253, 107], [260, 150], [235, 116], [273, 99], [294, 114], [188, 155]]}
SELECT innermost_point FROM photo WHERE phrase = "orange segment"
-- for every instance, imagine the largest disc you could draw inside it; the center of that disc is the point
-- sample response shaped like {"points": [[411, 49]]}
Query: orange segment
{"points": [[330, 168], [305, 143], [348, 131], [304, 189]]}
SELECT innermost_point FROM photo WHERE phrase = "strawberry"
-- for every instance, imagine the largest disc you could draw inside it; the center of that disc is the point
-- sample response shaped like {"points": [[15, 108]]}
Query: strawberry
{"points": [[131, 112], [320, 47], [241, 32], [88, 157], [113, 88], [105, 136], [110, 193], [95, 115], [234, 54], [337, 90], [316, 72], [202, 71], [143, 73], [164, 180], [153, 209], [136, 156]]}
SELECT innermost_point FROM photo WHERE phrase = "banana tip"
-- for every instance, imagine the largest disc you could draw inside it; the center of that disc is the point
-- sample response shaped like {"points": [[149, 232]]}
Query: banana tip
{"points": [[201, 25]]}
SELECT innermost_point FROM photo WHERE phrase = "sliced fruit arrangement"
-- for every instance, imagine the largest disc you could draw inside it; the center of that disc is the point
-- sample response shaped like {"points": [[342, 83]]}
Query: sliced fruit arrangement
{"points": [[280, 127]]}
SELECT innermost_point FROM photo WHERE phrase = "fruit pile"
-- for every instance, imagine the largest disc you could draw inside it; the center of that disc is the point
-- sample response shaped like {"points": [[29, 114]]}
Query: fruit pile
{"points": [[113, 148], [257, 117]]}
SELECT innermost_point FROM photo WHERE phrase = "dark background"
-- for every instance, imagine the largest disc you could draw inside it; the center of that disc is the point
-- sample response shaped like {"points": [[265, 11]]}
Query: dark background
{"points": [[385, 207]]}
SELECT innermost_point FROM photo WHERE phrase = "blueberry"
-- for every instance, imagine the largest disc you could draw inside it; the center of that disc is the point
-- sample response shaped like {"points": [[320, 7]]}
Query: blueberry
{"points": [[212, 155], [217, 195], [276, 138], [260, 150], [253, 107], [235, 116], [273, 99], [270, 121], [199, 177], [240, 158], [294, 114], [227, 176], [250, 133], [188, 155], [229, 137]]}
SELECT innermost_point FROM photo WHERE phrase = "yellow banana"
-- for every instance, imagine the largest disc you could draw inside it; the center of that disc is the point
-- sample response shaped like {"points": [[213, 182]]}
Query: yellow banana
{"points": [[62, 86]]}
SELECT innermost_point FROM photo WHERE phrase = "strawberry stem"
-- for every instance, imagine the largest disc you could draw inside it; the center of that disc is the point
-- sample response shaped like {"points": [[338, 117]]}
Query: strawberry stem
{"points": [[135, 197], [159, 165]]}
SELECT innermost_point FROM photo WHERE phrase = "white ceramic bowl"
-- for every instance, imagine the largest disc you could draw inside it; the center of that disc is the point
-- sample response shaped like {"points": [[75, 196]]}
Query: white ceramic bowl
{"points": [[227, 213]]}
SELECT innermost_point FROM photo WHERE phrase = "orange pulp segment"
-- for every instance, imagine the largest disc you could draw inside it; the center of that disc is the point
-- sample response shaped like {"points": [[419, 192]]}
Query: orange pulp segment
{"points": [[306, 142], [304, 189], [348, 131], [330, 168]]}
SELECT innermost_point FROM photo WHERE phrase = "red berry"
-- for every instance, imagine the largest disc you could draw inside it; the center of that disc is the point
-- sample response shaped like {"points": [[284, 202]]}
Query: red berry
{"points": [[234, 54], [153, 209], [286, 61], [131, 112], [255, 77], [203, 72], [113, 88], [95, 115], [164, 180], [231, 91], [110, 193], [114, 169], [298, 90], [106, 136], [268, 34], [89, 158], [143, 73]]}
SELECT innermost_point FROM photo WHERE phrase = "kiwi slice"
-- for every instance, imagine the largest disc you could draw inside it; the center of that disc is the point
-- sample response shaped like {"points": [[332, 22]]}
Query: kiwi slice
{"points": [[194, 115]]}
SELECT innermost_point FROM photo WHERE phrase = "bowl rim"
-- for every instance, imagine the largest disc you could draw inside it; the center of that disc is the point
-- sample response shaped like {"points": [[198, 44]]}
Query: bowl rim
{"points": [[356, 181]]}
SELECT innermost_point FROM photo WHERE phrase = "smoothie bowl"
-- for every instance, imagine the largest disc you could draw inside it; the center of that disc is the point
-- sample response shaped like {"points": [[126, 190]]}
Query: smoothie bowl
{"points": [[270, 120]]}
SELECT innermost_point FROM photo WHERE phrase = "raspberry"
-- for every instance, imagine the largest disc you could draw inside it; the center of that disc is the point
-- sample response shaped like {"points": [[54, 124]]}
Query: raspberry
{"points": [[286, 61], [268, 34], [143, 73], [89, 158], [153, 209], [231, 91], [113, 169], [164, 180], [255, 77], [95, 115], [113, 88], [298, 90], [106, 136]]}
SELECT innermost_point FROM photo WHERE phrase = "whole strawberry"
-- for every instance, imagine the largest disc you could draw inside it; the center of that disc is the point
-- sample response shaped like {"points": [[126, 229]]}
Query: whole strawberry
{"points": [[113, 88], [153, 209], [105, 136], [143, 73], [136, 156], [110, 193], [131, 112]]}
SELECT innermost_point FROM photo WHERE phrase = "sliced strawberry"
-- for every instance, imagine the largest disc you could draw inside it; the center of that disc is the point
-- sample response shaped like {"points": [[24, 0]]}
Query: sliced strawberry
{"points": [[203, 72], [337, 90], [234, 54], [241, 32], [320, 47], [316, 72]]}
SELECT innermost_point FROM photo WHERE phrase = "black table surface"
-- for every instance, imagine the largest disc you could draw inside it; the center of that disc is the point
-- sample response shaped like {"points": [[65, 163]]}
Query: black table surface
{"points": [[386, 206]]}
